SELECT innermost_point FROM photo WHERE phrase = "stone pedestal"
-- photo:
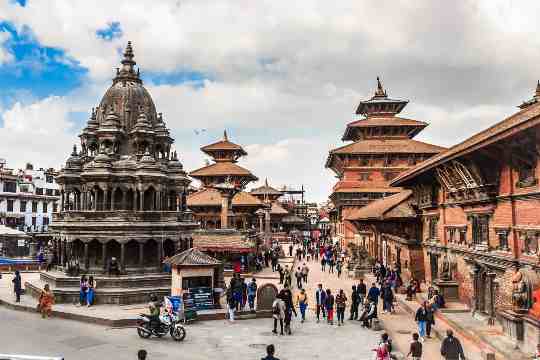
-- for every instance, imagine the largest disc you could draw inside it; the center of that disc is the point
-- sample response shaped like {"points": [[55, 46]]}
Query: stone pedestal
{"points": [[531, 334], [512, 323], [449, 289]]}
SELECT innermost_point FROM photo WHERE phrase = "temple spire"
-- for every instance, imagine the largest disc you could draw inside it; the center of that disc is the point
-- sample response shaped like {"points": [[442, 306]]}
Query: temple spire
{"points": [[380, 92], [225, 137], [266, 182], [128, 55], [127, 71]]}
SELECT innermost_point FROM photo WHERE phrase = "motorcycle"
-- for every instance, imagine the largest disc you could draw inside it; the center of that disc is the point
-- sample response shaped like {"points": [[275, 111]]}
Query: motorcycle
{"points": [[168, 323]]}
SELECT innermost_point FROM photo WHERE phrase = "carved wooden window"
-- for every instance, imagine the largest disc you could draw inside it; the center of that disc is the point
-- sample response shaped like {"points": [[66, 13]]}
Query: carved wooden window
{"points": [[462, 236], [530, 242], [503, 239], [433, 228], [452, 235], [480, 229]]}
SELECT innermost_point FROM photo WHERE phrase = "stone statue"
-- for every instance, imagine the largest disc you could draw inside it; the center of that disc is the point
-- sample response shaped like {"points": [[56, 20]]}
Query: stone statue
{"points": [[446, 273], [520, 291]]}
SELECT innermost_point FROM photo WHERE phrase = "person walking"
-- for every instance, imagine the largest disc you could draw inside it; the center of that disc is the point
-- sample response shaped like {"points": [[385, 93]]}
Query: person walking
{"points": [[90, 294], [320, 298], [279, 269], [415, 349], [430, 321], [17, 285], [298, 275], [354, 304], [244, 294], [83, 288], [451, 348], [278, 313], [331, 264], [305, 272], [341, 304], [323, 263], [339, 268], [46, 301], [329, 305], [387, 296], [252, 292], [302, 302], [289, 309], [290, 250], [421, 318], [270, 350], [287, 277], [231, 302]]}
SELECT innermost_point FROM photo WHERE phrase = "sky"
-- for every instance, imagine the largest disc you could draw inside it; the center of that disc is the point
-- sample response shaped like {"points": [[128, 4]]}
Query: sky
{"points": [[282, 77]]}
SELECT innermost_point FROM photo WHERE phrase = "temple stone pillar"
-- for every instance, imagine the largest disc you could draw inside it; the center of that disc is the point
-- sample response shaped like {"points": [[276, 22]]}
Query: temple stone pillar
{"points": [[141, 198], [159, 252], [123, 206], [134, 200], [62, 201], [141, 254], [104, 255], [86, 262], [122, 257], [105, 200]]}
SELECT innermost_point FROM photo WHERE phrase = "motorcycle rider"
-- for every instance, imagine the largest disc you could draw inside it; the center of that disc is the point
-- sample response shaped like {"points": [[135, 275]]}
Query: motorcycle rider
{"points": [[155, 311]]}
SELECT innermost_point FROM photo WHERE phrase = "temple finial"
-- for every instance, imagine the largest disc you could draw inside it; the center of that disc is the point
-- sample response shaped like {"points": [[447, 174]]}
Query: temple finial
{"points": [[266, 182], [380, 90], [225, 137], [74, 153], [128, 53]]}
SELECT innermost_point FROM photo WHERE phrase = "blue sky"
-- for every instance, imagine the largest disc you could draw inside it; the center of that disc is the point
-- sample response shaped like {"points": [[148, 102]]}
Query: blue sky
{"points": [[283, 78]]}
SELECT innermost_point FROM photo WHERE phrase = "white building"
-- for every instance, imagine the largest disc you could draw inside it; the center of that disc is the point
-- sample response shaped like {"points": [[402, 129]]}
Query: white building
{"points": [[28, 198]]}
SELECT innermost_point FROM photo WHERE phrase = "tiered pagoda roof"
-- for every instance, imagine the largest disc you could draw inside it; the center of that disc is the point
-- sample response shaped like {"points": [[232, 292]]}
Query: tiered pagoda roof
{"points": [[225, 154], [382, 146], [212, 197]]}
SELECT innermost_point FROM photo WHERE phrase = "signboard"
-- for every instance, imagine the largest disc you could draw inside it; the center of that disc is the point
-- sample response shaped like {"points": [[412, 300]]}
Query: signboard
{"points": [[21, 243], [202, 298]]}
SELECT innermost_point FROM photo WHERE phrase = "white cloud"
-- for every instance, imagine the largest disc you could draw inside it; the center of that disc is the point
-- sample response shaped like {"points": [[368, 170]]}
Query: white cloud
{"points": [[5, 55], [40, 133], [290, 74]]}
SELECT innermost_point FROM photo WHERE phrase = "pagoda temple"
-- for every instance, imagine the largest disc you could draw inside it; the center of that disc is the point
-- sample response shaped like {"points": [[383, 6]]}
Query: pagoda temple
{"points": [[207, 203], [382, 147], [121, 207]]}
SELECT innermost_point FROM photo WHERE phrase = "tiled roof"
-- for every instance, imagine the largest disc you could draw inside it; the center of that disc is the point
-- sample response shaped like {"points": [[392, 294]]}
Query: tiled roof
{"points": [[222, 242], [265, 190], [212, 197], [223, 145], [521, 120], [192, 257], [378, 209], [222, 169], [386, 121], [390, 146], [368, 189], [278, 209]]}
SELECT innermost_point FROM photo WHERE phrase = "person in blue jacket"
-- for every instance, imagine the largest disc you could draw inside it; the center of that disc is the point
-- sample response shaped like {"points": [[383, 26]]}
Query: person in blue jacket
{"points": [[374, 293]]}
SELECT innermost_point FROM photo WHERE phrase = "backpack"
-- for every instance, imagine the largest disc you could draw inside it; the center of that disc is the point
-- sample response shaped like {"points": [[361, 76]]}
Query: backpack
{"points": [[275, 308]]}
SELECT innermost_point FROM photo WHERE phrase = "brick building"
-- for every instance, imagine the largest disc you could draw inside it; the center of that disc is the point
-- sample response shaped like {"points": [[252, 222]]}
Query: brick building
{"points": [[477, 205], [382, 147]]}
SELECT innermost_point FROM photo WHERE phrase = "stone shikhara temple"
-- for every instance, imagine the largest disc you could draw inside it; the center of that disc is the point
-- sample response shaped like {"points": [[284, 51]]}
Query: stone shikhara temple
{"points": [[123, 198]]}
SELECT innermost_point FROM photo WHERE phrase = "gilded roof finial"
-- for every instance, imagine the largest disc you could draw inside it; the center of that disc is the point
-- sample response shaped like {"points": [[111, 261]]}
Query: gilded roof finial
{"points": [[266, 182], [380, 91], [225, 138]]}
